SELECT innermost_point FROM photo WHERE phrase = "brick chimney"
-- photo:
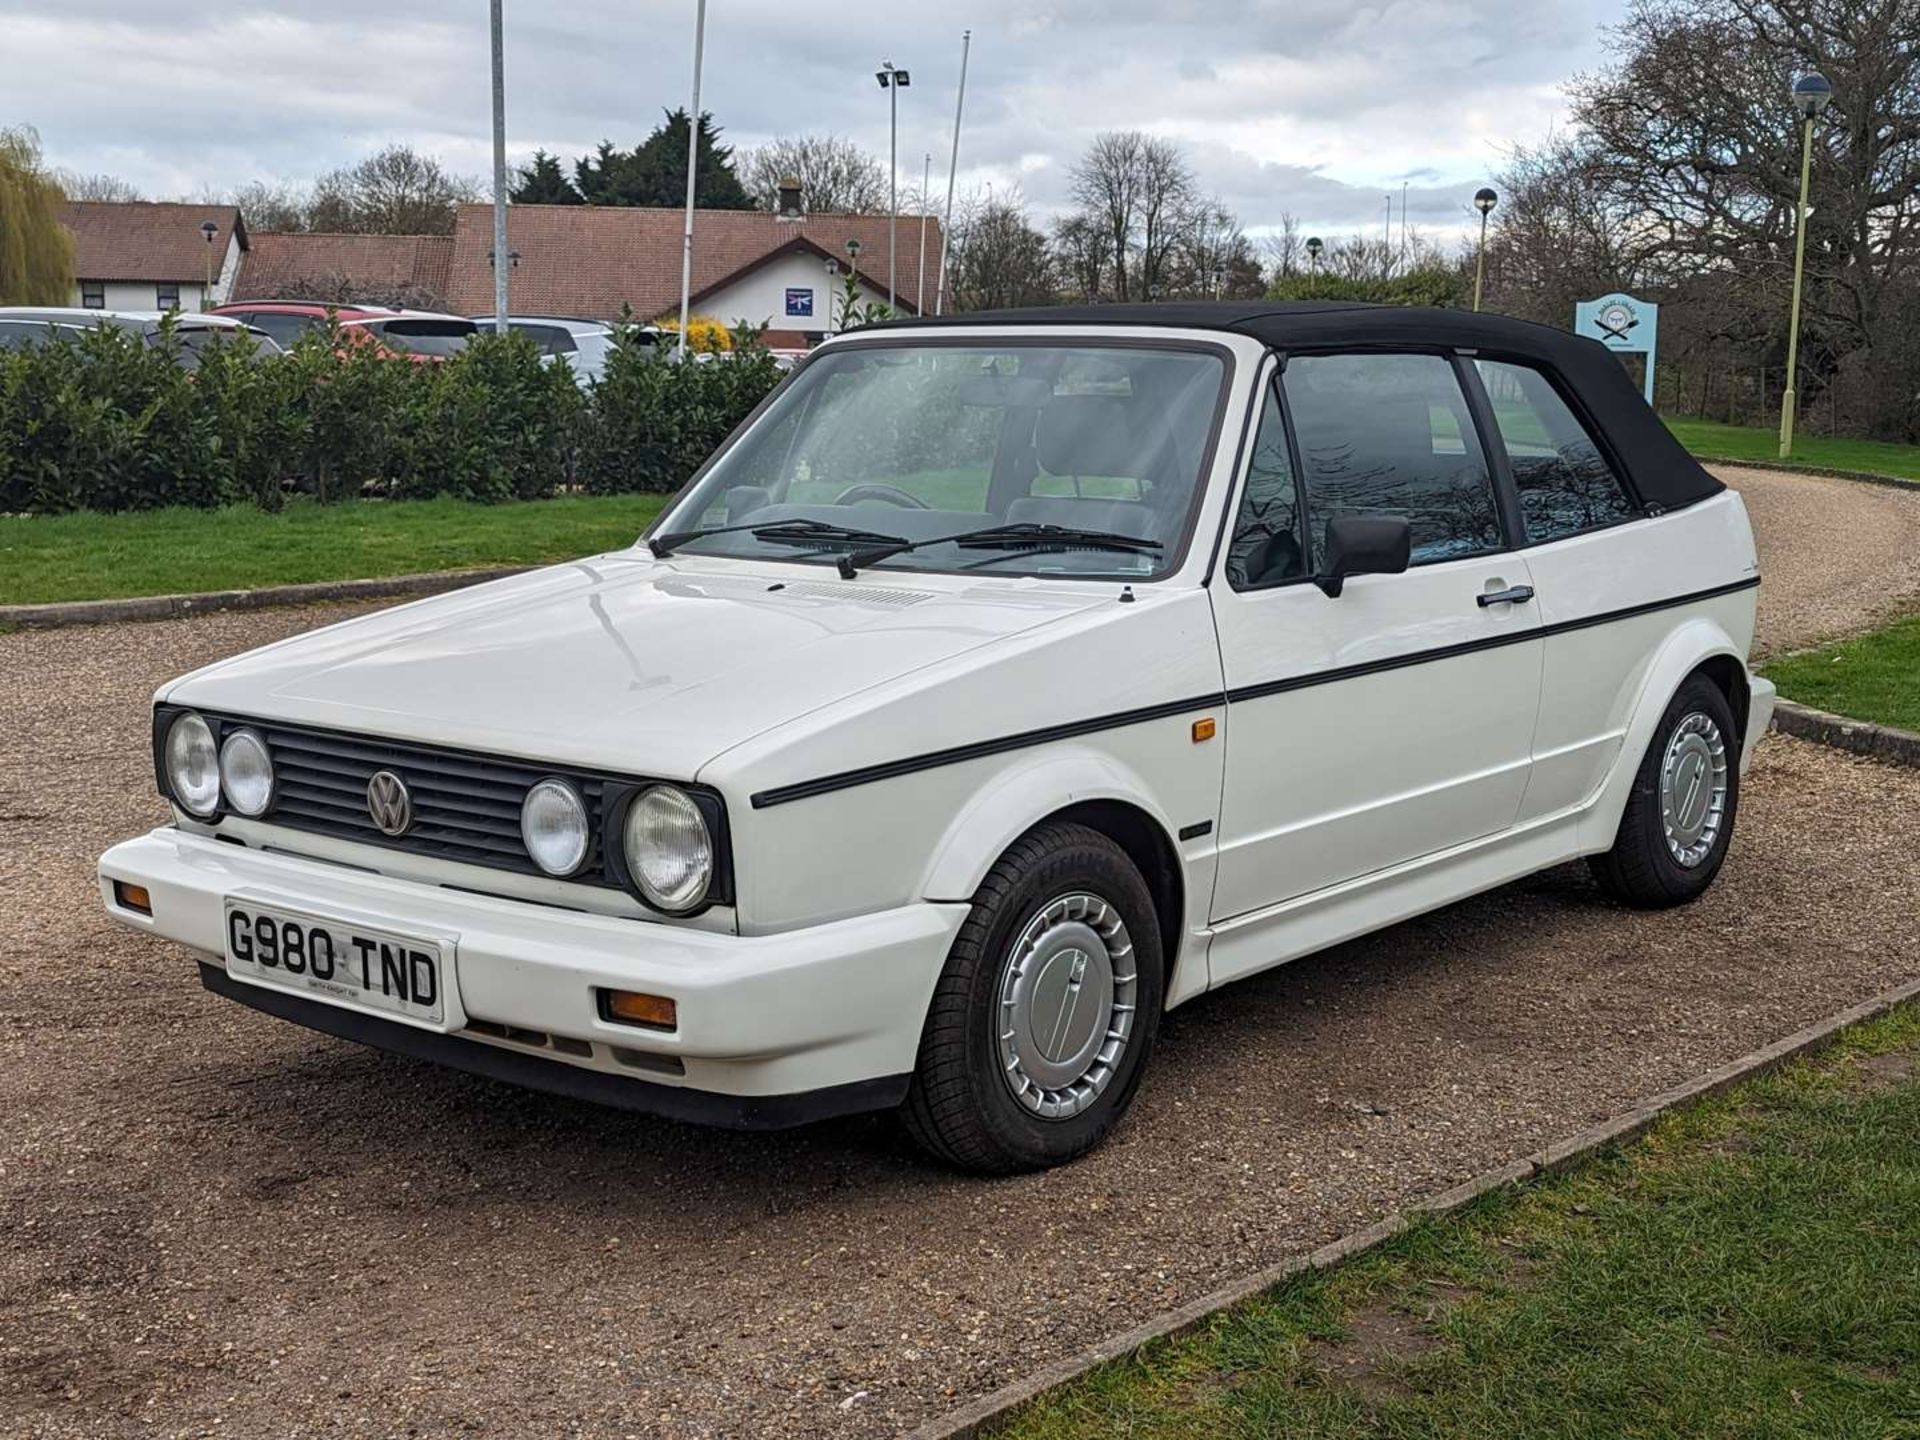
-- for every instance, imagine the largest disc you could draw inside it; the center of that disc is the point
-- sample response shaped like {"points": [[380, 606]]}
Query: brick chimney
{"points": [[790, 207]]}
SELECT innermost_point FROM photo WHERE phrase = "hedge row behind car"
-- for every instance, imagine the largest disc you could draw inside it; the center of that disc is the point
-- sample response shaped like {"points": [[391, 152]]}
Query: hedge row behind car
{"points": [[101, 422]]}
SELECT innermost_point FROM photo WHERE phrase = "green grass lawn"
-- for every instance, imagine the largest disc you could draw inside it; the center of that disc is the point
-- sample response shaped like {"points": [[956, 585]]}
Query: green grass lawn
{"points": [[1750, 1268], [1711, 440], [161, 552], [1872, 677]]}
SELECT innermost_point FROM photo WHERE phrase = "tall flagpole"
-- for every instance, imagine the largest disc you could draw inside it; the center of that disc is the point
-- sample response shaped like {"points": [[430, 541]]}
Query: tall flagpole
{"points": [[693, 170], [500, 255], [953, 168]]}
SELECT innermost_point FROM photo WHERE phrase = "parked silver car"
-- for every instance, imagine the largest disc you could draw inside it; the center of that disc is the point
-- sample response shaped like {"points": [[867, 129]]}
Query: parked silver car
{"points": [[23, 327]]}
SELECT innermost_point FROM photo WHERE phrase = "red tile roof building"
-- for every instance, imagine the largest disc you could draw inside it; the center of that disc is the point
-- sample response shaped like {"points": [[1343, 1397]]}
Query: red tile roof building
{"points": [[136, 255], [392, 269]]}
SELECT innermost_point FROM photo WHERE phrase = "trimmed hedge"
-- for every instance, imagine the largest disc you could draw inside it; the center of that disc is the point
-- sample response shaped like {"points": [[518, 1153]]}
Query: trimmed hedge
{"points": [[107, 422]]}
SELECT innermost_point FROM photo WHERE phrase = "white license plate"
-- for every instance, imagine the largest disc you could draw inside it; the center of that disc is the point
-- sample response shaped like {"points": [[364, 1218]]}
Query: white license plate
{"points": [[349, 964]]}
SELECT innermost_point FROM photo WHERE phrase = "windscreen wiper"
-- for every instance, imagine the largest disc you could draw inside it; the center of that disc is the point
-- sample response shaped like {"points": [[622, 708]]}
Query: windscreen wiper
{"points": [[793, 532], [1017, 538]]}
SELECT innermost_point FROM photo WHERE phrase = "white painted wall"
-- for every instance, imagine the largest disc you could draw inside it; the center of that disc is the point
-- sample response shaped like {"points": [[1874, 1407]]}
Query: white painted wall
{"points": [[760, 298], [140, 294]]}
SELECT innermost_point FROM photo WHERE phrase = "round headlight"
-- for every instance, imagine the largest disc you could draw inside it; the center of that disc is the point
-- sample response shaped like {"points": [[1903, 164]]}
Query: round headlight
{"points": [[246, 772], [669, 852], [553, 826], [193, 765]]}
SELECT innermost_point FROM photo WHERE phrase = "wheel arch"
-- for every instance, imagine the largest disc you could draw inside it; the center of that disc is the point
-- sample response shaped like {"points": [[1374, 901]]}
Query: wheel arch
{"points": [[1699, 645], [1085, 789]]}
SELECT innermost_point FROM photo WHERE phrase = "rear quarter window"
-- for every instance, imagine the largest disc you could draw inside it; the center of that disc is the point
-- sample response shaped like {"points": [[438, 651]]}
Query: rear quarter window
{"points": [[1565, 483]]}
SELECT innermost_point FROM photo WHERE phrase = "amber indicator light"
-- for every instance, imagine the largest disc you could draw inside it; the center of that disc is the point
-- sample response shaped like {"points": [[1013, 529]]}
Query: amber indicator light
{"points": [[1204, 729], [132, 897], [655, 1012]]}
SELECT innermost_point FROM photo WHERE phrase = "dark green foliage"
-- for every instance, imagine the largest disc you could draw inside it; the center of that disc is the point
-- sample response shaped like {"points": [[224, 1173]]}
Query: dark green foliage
{"points": [[654, 172], [108, 423], [653, 421], [542, 182]]}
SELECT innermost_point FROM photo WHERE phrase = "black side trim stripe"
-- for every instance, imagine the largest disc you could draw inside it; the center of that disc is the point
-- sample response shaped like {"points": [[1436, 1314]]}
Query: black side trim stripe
{"points": [[1468, 647], [887, 770], [999, 745], [1196, 830]]}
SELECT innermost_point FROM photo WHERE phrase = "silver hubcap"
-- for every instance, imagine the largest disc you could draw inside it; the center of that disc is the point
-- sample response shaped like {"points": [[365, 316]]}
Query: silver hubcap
{"points": [[1693, 789], [1067, 1000]]}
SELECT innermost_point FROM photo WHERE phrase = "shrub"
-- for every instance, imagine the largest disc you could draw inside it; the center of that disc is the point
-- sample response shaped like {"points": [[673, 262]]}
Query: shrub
{"points": [[107, 422], [704, 333]]}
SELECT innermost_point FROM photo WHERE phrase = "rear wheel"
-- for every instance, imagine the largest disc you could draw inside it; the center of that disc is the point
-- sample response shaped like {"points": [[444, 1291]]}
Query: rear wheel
{"points": [[1679, 818], [1046, 1013]]}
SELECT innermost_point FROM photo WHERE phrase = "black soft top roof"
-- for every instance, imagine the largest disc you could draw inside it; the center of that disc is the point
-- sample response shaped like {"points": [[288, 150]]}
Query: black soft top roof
{"points": [[1658, 468]]}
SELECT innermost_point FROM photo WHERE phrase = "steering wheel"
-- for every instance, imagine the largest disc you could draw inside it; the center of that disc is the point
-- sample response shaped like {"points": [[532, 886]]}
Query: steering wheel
{"points": [[889, 493]]}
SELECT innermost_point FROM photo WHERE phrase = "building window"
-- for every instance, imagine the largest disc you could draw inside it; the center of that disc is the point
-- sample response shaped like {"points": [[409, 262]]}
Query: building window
{"points": [[168, 296], [93, 294]]}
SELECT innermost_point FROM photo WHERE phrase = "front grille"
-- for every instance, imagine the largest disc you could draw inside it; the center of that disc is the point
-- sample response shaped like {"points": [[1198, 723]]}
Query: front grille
{"points": [[465, 807]]}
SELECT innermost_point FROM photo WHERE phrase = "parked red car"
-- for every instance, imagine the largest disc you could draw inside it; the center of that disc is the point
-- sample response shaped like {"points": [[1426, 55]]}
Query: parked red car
{"points": [[287, 320], [423, 336]]}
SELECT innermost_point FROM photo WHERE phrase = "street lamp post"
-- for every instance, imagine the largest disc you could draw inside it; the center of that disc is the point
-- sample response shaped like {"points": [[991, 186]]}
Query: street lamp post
{"points": [[893, 82], [833, 283], [1313, 264], [1484, 200], [498, 47], [1811, 92], [208, 231]]}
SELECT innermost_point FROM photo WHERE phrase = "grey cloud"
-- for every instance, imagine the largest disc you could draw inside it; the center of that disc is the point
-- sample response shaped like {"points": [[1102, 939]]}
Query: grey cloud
{"points": [[1317, 107]]}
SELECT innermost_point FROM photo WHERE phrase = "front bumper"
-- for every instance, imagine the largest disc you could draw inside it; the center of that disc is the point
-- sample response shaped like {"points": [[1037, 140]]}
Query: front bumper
{"points": [[772, 1030]]}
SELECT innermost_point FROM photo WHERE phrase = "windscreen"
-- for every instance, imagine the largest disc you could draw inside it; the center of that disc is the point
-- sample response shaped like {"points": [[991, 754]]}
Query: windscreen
{"points": [[1086, 459], [426, 337]]}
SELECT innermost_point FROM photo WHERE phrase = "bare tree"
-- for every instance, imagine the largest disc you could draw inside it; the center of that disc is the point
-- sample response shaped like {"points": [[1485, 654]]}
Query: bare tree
{"points": [[1082, 248], [999, 259], [836, 176], [269, 207], [1106, 186], [1284, 247], [96, 187], [1166, 201], [395, 192]]}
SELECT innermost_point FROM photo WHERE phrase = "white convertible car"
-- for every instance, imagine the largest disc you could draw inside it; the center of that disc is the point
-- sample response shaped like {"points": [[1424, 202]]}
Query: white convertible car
{"points": [[1003, 682]]}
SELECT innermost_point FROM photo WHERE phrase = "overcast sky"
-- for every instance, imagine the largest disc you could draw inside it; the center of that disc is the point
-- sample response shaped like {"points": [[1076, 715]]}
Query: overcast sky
{"points": [[1318, 107]]}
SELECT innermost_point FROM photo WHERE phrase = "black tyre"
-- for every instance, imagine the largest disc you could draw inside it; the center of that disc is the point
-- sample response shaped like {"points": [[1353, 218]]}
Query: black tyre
{"points": [[1045, 1016], [1679, 818]]}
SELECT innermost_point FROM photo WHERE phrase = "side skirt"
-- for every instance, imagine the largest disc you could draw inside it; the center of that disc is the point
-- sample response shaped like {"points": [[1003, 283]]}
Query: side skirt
{"points": [[1262, 939]]}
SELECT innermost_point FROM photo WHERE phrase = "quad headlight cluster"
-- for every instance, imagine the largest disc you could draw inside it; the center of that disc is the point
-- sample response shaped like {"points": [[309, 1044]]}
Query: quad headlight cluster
{"points": [[661, 843], [666, 848], [199, 772]]}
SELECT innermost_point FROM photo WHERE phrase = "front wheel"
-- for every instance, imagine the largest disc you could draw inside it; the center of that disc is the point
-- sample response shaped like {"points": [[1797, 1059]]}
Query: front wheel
{"points": [[1679, 818], [1046, 1013]]}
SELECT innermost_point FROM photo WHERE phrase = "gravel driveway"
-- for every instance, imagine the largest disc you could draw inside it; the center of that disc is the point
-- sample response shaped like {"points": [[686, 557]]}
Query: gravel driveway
{"points": [[218, 1223], [1836, 555]]}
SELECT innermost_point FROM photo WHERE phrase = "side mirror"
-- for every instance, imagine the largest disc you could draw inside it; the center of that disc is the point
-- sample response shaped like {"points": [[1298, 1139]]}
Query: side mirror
{"points": [[1364, 545]]}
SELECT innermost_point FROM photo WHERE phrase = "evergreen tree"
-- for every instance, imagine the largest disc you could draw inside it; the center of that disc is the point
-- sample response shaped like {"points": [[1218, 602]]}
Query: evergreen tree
{"points": [[36, 253], [654, 172], [543, 183]]}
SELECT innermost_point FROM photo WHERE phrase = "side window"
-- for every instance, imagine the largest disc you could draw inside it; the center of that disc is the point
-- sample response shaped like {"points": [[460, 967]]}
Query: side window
{"points": [[1265, 548], [1391, 435], [1565, 483]]}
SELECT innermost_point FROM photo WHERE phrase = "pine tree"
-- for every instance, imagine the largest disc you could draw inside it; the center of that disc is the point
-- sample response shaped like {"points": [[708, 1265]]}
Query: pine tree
{"points": [[36, 253], [543, 183], [654, 172]]}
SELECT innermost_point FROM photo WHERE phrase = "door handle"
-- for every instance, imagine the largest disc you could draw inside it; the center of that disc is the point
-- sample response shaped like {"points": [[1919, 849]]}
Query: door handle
{"points": [[1512, 595]]}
